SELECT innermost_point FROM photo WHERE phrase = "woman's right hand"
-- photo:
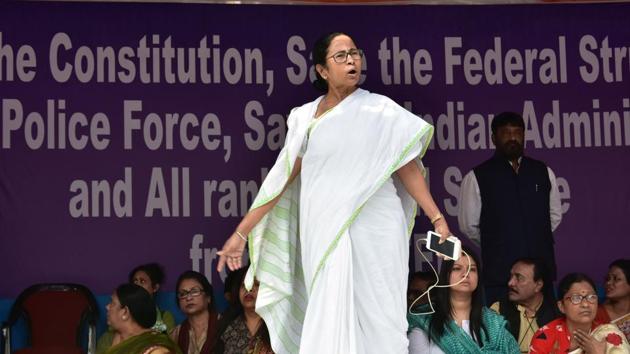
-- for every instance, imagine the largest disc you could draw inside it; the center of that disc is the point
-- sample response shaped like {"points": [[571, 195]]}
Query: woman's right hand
{"points": [[232, 253], [588, 343]]}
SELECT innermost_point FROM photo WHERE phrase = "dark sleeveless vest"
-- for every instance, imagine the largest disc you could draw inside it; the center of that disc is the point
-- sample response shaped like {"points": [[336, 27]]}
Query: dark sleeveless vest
{"points": [[547, 312], [515, 220]]}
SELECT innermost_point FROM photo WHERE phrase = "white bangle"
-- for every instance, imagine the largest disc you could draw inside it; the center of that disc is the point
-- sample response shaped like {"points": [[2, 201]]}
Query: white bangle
{"points": [[241, 236]]}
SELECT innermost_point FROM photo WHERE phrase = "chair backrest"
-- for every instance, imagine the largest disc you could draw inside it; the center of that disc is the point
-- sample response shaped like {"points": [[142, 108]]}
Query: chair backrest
{"points": [[55, 313]]}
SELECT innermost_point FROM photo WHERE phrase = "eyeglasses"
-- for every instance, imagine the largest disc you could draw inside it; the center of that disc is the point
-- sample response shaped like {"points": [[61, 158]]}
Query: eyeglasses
{"points": [[576, 299], [194, 292], [342, 56]]}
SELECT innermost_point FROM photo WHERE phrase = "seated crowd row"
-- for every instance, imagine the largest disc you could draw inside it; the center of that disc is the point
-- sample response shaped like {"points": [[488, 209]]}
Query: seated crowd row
{"points": [[138, 326], [455, 320], [530, 320]]}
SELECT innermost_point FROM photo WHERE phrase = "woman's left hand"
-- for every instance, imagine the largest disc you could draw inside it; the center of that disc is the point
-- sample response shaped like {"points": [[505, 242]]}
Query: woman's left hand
{"points": [[588, 343]]}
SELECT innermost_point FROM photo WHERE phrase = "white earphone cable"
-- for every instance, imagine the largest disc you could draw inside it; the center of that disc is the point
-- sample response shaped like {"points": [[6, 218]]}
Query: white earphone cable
{"points": [[435, 285]]}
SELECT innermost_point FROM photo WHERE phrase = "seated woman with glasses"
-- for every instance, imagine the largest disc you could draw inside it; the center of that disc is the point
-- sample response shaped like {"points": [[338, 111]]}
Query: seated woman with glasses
{"points": [[131, 313], [198, 333], [460, 324], [241, 329], [577, 331]]}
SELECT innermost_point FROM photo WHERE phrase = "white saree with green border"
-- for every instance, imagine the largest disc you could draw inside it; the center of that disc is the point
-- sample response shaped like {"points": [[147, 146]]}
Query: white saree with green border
{"points": [[331, 256]]}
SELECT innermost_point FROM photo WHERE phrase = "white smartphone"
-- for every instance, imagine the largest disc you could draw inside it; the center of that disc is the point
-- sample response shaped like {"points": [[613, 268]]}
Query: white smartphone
{"points": [[451, 248]]}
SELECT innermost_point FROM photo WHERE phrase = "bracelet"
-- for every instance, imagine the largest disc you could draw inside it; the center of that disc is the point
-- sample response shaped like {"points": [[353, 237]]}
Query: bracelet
{"points": [[436, 218], [241, 235]]}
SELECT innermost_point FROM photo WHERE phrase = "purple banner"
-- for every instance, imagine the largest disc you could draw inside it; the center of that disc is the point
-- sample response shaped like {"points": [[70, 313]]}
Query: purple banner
{"points": [[141, 132]]}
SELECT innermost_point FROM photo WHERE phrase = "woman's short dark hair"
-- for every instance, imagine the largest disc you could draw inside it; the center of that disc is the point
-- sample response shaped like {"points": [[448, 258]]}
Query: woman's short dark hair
{"points": [[201, 279], [507, 118], [624, 265], [570, 279], [320, 52], [443, 307], [139, 302], [153, 270]]}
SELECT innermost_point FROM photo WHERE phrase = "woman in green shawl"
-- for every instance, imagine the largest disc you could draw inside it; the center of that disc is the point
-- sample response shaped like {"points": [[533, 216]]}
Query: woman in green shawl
{"points": [[151, 277], [132, 313], [460, 324]]}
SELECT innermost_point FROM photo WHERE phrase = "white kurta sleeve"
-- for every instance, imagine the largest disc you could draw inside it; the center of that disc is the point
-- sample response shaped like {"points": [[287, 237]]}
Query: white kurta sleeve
{"points": [[555, 206], [418, 341], [470, 208]]}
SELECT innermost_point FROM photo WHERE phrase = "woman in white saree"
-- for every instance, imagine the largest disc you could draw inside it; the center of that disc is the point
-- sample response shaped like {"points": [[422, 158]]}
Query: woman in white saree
{"points": [[329, 230]]}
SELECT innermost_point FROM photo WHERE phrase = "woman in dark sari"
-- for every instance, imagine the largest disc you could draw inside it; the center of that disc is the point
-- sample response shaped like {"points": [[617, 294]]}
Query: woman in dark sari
{"points": [[241, 330], [198, 333]]}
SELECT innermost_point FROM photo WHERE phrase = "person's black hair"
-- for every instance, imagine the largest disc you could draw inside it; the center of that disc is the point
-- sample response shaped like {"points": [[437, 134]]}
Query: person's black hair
{"points": [[541, 272], [228, 282], [507, 118], [153, 270], [139, 302], [570, 279], [426, 276], [320, 52], [624, 265], [205, 285], [235, 309], [443, 307]]}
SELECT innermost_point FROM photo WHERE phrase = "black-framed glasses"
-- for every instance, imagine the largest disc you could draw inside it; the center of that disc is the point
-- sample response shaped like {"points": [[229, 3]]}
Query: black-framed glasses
{"points": [[342, 56], [194, 292], [576, 299]]}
